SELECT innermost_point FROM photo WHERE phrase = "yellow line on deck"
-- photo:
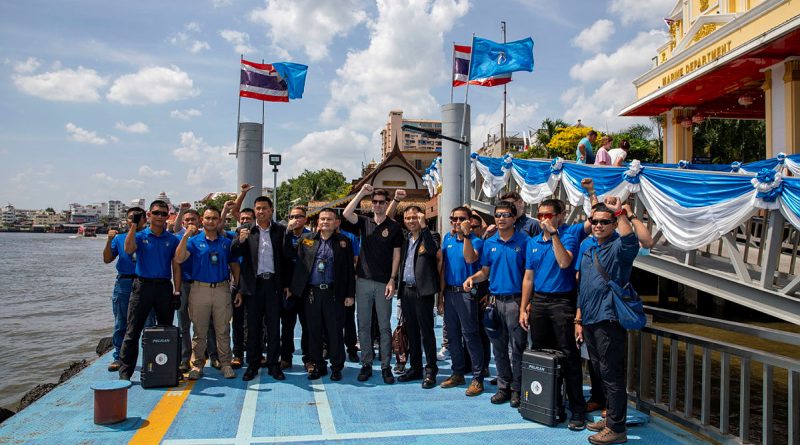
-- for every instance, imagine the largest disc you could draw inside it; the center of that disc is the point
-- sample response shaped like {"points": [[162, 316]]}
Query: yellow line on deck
{"points": [[162, 416]]}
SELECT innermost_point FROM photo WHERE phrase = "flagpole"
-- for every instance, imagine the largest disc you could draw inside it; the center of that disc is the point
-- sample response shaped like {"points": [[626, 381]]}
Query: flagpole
{"points": [[262, 112], [504, 129], [466, 95], [239, 108], [452, 80]]}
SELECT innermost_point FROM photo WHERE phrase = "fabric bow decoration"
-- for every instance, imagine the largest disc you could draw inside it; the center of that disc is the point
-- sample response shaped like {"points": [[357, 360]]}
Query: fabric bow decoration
{"points": [[556, 165], [735, 166], [769, 186], [683, 164]]}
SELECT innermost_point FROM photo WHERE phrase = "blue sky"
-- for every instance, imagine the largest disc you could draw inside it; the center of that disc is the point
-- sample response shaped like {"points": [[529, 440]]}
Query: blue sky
{"points": [[119, 100]]}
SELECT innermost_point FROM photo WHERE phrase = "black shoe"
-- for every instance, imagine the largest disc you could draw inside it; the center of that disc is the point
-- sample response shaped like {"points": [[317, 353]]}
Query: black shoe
{"points": [[493, 381], [250, 374], [315, 374], [388, 377], [430, 381], [410, 375], [352, 356], [336, 375], [365, 373], [125, 377], [501, 396], [515, 399], [183, 368], [577, 423], [114, 366], [276, 373]]}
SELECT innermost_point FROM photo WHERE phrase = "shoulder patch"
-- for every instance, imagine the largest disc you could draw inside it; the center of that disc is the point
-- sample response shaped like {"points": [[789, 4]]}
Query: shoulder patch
{"points": [[308, 242], [343, 244], [385, 233]]}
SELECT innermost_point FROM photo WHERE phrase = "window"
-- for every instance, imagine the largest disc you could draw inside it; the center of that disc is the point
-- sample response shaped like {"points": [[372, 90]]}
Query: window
{"points": [[418, 164]]}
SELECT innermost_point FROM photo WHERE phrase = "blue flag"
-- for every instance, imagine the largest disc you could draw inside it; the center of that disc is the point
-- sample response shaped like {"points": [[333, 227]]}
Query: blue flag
{"points": [[492, 58], [295, 76]]}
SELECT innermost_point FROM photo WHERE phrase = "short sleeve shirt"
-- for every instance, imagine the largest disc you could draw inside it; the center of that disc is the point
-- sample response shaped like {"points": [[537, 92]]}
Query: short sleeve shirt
{"points": [[506, 260], [548, 276], [354, 240], [456, 269], [377, 245], [602, 157], [126, 264], [154, 254], [527, 225], [616, 256], [210, 258]]}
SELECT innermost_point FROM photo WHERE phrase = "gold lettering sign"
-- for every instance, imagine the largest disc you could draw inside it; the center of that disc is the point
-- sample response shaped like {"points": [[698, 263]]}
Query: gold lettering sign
{"points": [[696, 62], [704, 30], [703, 5], [394, 183]]}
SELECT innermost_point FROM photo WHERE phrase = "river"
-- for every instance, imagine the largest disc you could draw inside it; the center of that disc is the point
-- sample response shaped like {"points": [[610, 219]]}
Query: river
{"points": [[55, 305]]}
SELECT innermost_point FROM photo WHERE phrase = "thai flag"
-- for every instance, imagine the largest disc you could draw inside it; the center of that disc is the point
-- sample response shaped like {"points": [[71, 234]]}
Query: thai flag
{"points": [[277, 82], [461, 58]]}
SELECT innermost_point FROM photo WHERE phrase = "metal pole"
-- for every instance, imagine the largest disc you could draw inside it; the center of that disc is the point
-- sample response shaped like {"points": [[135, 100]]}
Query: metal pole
{"points": [[504, 130], [239, 108], [275, 192], [452, 79]]}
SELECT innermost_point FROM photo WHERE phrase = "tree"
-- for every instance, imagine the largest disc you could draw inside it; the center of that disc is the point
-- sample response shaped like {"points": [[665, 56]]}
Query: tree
{"points": [[729, 140], [643, 146], [50, 210], [565, 141], [320, 185], [548, 129]]}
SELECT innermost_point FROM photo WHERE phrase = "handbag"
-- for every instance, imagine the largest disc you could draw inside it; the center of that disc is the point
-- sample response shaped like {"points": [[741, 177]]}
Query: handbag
{"points": [[400, 341], [491, 320], [628, 307]]}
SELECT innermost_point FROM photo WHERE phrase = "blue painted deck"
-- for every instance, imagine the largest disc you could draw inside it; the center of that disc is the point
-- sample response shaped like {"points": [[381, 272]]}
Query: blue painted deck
{"points": [[220, 411]]}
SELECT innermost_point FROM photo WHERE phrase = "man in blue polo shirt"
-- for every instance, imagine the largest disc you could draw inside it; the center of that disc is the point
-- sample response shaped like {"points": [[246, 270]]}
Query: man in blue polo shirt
{"points": [[126, 272], [548, 270], [460, 251], [209, 297], [153, 288], [503, 262]]}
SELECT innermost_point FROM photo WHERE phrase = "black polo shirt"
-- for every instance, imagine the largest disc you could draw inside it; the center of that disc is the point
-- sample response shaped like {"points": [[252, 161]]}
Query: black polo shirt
{"points": [[377, 246]]}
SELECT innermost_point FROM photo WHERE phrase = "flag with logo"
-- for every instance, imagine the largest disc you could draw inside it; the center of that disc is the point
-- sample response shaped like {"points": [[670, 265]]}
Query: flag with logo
{"points": [[461, 59], [276, 82], [491, 58]]}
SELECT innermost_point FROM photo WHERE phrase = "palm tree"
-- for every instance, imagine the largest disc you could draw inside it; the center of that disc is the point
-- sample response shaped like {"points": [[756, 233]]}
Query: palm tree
{"points": [[548, 130]]}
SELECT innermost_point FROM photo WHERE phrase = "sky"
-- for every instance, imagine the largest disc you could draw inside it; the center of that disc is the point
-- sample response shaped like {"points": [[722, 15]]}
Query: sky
{"points": [[121, 100]]}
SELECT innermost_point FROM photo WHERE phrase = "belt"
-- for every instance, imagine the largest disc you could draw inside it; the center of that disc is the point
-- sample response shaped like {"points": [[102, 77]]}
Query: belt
{"points": [[322, 286], [154, 280], [410, 286], [506, 296], [204, 284], [570, 294], [188, 281], [265, 275], [449, 288], [127, 276]]}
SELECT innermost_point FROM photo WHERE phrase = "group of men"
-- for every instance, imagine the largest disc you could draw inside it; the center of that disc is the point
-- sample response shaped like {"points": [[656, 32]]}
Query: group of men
{"points": [[541, 276]]}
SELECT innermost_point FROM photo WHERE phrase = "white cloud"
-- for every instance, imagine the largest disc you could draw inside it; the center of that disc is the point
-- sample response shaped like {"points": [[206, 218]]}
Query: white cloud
{"points": [[309, 24], [138, 127], [184, 40], [78, 134], [221, 3], [648, 11], [28, 66], [153, 85], [600, 108], [198, 46], [628, 61], [67, 85], [594, 37], [239, 40], [341, 148], [146, 170], [519, 118], [192, 27], [106, 179], [185, 114], [210, 167], [30, 173]]}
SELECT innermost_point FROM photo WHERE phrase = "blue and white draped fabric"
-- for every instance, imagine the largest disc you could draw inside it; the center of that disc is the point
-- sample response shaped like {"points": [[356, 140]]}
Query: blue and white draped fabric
{"points": [[769, 186], [790, 200], [436, 178], [495, 172], [537, 179], [791, 162], [608, 181], [428, 183]]}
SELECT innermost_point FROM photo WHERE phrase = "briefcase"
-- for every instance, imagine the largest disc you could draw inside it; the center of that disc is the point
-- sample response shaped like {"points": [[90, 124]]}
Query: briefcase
{"points": [[161, 352], [542, 395]]}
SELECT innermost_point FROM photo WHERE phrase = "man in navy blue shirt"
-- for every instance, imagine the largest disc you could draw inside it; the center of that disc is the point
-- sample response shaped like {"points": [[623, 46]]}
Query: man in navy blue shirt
{"points": [[292, 308], [549, 270], [503, 263], [209, 298], [156, 271], [613, 247], [460, 252]]}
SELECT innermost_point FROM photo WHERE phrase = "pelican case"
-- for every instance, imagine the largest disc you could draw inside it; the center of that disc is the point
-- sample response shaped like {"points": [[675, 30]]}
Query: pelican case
{"points": [[161, 353], [542, 395]]}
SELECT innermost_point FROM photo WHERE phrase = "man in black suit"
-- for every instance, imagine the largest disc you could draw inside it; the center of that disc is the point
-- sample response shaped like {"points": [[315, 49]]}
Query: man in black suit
{"points": [[324, 276], [262, 286], [419, 282]]}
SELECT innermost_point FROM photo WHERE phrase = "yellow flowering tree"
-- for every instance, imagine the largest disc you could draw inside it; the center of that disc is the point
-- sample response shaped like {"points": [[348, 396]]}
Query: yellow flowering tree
{"points": [[565, 141]]}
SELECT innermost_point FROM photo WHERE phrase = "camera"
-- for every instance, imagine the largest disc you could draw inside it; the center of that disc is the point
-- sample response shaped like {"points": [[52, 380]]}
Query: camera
{"points": [[137, 217]]}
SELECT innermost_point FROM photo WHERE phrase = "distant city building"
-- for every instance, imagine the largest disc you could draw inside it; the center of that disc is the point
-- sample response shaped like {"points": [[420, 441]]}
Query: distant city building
{"points": [[47, 219], [9, 214], [215, 195], [418, 149], [139, 202], [116, 209], [493, 145], [80, 214], [163, 197]]}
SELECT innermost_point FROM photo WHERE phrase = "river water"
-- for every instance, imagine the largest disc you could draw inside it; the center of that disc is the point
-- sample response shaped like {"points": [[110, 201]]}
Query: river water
{"points": [[55, 305]]}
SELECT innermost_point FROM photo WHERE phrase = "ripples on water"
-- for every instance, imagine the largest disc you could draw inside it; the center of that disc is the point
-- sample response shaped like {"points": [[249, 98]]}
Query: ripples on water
{"points": [[55, 304]]}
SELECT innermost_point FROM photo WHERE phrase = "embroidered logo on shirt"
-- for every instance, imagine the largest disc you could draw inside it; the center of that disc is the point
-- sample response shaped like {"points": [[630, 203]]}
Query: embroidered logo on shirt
{"points": [[516, 249], [385, 233], [421, 249], [534, 250], [308, 242], [343, 244]]}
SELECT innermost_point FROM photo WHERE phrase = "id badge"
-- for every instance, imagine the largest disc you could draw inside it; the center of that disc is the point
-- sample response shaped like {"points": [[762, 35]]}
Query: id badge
{"points": [[321, 266], [133, 257], [214, 258]]}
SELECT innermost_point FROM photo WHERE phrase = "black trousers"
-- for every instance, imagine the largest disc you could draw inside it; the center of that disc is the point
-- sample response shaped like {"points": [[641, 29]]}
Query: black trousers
{"points": [[237, 333], [606, 344], [349, 325], [323, 314], [263, 311], [552, 327], [146, 295], [291, 311], [597, 394], [418, 316]]}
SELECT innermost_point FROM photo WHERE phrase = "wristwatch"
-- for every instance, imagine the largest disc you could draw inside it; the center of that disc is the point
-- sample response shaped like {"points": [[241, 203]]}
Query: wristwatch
{"points": [[553, 233], [632, 216]]}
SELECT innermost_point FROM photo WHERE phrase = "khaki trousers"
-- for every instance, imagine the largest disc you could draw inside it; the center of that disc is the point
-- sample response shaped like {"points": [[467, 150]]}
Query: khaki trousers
{"points": [[207, 304]]}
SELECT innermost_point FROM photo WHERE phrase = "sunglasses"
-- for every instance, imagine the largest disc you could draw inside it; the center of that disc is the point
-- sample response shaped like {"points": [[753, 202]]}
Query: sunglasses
{"points": [[503, 215], [457, 218], [476, 227], [602, 222], [296, 216], [159, 213], [545, 215], [379, 202]]}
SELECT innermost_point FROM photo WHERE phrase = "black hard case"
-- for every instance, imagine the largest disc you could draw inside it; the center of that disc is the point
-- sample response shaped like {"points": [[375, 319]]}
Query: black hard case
{"points": [[542, 395], [161, 352]]}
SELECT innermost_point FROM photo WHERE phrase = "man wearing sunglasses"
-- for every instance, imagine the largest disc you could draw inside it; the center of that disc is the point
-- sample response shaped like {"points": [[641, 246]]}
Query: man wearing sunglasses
{"points": [[377, 276], [614, 246], [522, 222], [292, 308], [503, 260], [460, 251], [158, 281], [549, 275]]}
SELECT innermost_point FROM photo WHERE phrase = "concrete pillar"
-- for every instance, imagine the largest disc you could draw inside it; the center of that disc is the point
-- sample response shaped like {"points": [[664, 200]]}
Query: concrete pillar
{"points": [[250, 159], [768, 116], [791, 84], [677, 139], [775, 109], [455, 161]]}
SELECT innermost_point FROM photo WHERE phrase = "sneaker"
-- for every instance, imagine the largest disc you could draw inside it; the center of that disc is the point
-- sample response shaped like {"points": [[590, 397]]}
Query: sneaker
{"points": [[607, 437], [443, 354], [501, 396], [228, 372], [286, 364], [577, 423], [215, 363], [388, 377], [515, 399], [453, 381], [114, 366], [475, 388], [195, 374], [365, 373], [183, 368], [596, 426], [236, 363], [399, 368]]}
